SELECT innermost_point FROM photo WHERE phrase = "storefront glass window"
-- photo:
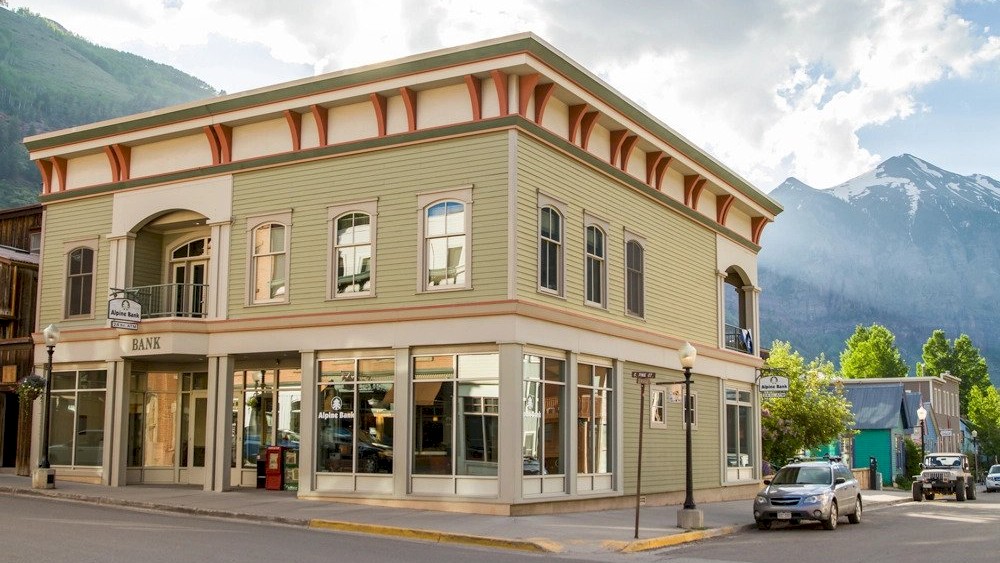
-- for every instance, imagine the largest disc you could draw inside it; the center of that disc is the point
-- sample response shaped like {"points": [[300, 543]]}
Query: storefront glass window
{"points": [[738, 429], [76, 428], [450, 444], [593, 398], [544, 389], [355, 419]]}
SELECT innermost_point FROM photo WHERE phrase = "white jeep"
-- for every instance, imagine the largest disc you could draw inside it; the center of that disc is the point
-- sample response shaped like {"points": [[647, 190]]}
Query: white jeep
{"points": [[944, 474]]}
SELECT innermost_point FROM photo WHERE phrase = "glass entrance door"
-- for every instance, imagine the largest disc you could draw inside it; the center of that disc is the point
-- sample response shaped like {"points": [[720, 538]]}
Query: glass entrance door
{"points": [[191, 465]]}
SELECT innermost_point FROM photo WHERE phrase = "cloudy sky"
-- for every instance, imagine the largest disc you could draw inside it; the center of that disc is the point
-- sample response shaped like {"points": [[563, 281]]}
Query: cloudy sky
{"points": [[822, 90]]}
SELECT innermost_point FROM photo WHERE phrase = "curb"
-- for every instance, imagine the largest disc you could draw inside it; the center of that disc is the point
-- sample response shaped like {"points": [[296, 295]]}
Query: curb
{"points": [[675, 539], [534, 546]]}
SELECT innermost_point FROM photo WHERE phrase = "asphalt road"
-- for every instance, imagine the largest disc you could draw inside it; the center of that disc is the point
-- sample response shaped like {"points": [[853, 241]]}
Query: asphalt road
{"points": [[937, 531], [36, 530]]}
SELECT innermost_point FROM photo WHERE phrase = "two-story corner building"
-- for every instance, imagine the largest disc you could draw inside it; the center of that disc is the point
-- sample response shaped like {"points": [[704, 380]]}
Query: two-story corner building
{"points": [[20, 239], [431, 279]]}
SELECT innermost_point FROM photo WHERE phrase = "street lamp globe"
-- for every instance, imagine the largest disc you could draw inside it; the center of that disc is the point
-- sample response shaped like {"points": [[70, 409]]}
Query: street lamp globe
{"points": [[51, 335], [687, 354], [922, 413]]}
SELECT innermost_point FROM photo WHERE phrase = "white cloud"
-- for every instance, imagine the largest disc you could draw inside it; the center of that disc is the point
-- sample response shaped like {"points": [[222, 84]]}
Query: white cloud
{"points": [[770, 87]]}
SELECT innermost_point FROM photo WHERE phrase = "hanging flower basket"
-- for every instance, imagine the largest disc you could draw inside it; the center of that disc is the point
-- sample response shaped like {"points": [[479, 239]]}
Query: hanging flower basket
{"points": [[30, 388], [254, 401]]}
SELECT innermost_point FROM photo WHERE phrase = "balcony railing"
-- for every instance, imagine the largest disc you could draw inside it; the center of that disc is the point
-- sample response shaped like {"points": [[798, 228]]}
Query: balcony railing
{"points": [[739, 339], [170, 300]]}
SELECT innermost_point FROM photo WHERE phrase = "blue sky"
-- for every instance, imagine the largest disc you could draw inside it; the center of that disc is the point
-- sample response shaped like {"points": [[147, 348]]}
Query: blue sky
{"points": [[822, 90]]}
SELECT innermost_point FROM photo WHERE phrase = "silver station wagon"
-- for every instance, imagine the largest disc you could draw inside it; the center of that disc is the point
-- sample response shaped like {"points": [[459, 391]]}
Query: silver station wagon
{"points": [[819, 491]]}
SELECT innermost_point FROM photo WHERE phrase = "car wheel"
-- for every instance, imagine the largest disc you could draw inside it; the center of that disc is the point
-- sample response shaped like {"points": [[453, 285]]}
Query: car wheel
{"points": [[960, 490], [764, 524], [831, 523], [971, 493], [856, 517], [929, 496]]}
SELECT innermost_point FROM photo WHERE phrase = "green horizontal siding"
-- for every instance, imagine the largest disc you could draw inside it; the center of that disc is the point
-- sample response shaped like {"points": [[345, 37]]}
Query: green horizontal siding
{"points": [[664, 448], [73, 221], [395, 176], [680, 255]]}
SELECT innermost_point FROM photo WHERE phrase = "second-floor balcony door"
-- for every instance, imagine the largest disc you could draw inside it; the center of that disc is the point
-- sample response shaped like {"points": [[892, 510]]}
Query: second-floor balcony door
{"points": [[189, 270], [189, 288]]}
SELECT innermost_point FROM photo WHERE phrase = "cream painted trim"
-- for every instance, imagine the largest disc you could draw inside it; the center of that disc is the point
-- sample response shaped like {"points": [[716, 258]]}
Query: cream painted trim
{"points": [[333, 212], [254, 222], [595, 361], [425, 200], [94, 244], [211, 198], [554, 353], [454, 349], [326, 355], [512, 214]]}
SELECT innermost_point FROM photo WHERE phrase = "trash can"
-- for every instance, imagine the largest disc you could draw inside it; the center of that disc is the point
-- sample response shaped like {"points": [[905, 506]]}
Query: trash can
{"points": [[274, 468]]}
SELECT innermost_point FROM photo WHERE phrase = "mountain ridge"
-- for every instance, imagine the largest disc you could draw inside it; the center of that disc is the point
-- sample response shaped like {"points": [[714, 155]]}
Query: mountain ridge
{"points": [[906, 241]]}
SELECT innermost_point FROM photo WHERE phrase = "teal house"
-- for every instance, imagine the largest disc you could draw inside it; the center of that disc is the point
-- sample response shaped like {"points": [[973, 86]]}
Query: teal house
{"points": [[884, 416]]}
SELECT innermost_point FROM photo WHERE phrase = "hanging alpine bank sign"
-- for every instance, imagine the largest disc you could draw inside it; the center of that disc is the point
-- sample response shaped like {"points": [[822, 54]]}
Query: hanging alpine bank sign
{"points": [[124, 313]]}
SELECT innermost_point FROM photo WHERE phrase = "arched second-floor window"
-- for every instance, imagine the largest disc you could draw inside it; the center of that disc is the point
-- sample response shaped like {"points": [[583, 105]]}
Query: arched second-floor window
{"points": [[738, 321], [80, 282]]}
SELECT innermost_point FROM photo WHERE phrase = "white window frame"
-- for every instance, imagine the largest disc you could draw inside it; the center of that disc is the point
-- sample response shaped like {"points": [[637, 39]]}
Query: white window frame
{"points": [[658, 403], [68, 248], [425, 201], [283, 218], [560, 208], [333, 214], [631, 238], [591, 222]]}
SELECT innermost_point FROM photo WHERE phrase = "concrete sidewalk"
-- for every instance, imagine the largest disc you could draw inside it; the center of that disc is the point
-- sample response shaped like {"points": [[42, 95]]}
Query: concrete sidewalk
{"points": [[585, 532]]}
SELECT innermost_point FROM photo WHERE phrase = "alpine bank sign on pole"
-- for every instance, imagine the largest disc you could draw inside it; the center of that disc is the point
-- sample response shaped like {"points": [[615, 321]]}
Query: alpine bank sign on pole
{"points": [[124, 313]]}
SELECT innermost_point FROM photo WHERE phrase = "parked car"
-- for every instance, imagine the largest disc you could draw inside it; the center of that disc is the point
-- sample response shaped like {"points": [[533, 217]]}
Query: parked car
{"points": [[944, 474], [993, 479], [820, 491]]}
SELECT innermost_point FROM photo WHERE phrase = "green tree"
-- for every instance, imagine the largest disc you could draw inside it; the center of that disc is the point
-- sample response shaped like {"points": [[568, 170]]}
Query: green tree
{"points": [[872, 352], [984, 415], [813, 413], [960, 358]]}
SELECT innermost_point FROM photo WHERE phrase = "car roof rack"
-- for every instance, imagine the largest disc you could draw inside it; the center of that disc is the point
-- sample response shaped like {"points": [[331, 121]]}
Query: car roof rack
{"points": [[826, 458]]}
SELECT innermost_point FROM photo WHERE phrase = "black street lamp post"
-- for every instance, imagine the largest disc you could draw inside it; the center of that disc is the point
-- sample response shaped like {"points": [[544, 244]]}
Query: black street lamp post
{"points": [[46, 477], [689, 517], [975, 445]]}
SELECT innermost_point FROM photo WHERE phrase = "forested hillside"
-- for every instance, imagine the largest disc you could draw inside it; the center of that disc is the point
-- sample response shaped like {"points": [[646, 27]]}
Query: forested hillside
{"points": [[52, 79]]}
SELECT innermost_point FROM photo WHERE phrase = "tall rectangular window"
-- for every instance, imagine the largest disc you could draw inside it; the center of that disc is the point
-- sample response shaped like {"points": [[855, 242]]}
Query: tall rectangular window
{"points": [[635, 299], [594, 395], [353, 253], [269, 274], [550, 250], [739, 432], [445, 244], [80, 282], [543, 400], [595, 271]]}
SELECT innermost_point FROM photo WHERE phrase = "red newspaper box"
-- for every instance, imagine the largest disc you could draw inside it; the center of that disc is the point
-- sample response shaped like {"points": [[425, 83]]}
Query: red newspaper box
{"points": [[274, 470]]}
